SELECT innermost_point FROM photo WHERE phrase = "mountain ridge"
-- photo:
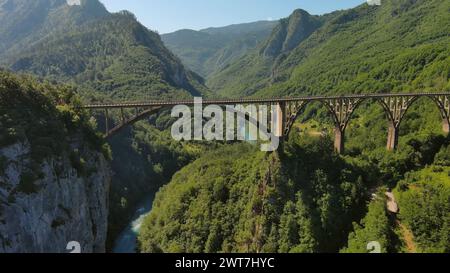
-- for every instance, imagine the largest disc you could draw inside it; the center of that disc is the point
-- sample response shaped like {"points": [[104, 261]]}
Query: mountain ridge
{"points": [[263, 60], [112, 55]]}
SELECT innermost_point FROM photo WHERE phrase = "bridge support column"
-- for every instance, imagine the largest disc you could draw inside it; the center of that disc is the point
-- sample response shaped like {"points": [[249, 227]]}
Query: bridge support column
{"points": [[280, 120], [446, 126], [339, 137], [444, 106], [396, 108], [106, 121], [342, 110], [392, 141]]}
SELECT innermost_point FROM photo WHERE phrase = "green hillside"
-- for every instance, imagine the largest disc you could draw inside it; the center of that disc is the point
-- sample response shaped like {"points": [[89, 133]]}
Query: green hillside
{"points": [[209, 50], [115, 56], [424, 199], [254, 70], [398, 46]]}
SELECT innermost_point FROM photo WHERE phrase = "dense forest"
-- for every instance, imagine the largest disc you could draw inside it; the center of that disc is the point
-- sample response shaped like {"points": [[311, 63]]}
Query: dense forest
{"points": [[306, 199], [41, 113], [116, 57]]}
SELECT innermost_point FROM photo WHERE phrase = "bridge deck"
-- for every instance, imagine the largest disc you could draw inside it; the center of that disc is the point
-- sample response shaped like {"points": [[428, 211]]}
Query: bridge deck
{"points": [[248, 101]]}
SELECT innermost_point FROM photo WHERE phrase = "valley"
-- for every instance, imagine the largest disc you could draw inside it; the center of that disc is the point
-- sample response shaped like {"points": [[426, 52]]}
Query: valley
{"points": [[210, 50]]}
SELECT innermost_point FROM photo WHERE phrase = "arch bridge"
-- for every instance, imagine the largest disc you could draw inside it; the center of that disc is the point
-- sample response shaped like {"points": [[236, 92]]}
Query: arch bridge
{"points": [[341, 108]]}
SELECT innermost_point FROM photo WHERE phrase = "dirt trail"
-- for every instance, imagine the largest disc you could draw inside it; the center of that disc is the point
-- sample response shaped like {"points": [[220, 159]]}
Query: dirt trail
{"points": [[406, 233], [408, 238]]}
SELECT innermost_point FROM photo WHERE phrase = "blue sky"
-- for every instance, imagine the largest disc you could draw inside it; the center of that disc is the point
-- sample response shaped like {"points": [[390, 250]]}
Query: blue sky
{"points": [[169, 15]]}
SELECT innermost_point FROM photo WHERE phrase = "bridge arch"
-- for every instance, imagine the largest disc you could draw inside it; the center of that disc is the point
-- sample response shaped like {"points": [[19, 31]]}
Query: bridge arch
{"points": [[443, 103], [392, 110], [396, 109], [124, 121], [340, 110]]}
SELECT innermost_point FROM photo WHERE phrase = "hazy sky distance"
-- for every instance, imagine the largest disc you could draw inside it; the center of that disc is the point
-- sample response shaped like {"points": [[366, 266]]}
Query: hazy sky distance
{"points": [[167, 16]]}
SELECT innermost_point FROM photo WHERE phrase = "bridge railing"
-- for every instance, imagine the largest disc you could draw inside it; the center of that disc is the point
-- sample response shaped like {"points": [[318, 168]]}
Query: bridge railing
{"points": [[254, 101]]}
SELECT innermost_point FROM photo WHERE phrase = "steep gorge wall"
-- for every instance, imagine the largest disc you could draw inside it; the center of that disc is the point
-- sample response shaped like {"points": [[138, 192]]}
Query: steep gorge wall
{"points": [[61, 206]]}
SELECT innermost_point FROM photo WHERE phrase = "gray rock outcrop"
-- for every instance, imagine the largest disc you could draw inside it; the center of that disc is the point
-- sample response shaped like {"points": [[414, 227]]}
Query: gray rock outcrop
{"points": [[43, 209]]}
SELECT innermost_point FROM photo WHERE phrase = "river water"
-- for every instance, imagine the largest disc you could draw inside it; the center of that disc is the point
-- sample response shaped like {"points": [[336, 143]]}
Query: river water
{"points": [[127, 240]]}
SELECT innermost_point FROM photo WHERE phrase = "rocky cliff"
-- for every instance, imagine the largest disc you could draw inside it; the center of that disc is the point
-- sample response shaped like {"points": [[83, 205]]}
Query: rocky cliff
{"points": [[59, 207]]}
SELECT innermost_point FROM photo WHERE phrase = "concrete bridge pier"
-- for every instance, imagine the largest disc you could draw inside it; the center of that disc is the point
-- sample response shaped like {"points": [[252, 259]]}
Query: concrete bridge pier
{"points": [[281, 124], [446, 125], [392, 141], [280, 119], [339, 137]]}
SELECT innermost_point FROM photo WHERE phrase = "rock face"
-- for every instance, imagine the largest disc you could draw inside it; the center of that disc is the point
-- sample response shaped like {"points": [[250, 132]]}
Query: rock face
{"points": [[290, 32], [61, 206], [392, 205]]}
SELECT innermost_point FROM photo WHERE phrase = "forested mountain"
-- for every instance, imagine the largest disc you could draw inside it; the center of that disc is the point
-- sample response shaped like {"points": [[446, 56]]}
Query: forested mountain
{"points": [[24, 23], [256, 67], [112, 54], [398, 46], [209, 50]]}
